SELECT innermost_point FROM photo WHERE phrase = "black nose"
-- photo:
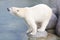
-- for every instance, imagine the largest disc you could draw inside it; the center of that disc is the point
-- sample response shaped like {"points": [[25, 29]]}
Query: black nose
{"points": [[8, 9]]}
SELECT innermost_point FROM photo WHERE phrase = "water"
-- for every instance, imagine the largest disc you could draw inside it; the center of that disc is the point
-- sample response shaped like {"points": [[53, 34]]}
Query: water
{"points": [[11, 27]]}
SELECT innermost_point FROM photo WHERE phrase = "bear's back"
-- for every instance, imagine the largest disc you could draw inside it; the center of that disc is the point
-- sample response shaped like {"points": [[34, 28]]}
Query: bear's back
{"points": [[40, 11]]}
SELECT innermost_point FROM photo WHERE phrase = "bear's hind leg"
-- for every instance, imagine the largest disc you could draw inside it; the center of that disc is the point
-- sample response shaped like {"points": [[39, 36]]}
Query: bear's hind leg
{"points": [[43, 26]]}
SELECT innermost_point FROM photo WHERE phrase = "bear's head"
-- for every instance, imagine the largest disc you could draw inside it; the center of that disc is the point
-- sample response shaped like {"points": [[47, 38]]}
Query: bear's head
{"points": [[17, 11]]}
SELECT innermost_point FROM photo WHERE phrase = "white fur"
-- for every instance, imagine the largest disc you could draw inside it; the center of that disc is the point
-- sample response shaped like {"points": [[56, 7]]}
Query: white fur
{"points": [[39, 13]]}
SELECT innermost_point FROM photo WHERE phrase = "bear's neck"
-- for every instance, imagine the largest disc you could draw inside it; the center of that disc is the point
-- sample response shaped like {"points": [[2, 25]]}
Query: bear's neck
{"points": [[23, 12]]}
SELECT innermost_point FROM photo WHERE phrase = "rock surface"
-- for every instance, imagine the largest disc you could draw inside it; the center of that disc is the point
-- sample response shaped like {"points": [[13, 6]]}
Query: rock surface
{"points": [[39, 34], [58, 27], [52, 22], [51, 31], [48, 37], [54, 10]]}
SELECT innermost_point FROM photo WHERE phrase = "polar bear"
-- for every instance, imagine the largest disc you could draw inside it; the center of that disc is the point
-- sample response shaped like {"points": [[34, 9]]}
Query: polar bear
{"points": [[38, 13]]}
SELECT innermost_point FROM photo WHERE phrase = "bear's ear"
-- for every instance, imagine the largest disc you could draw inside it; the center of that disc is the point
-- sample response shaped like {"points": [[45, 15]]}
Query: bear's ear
{"points": [[17, 10]]}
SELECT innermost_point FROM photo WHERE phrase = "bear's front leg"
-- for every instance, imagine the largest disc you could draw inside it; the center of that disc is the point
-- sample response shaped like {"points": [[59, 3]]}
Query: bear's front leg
{"points": [[29, 30], [32, 25]]}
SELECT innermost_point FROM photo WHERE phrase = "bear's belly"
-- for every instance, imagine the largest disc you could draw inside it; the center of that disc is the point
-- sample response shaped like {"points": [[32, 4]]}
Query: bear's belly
{"points": [[40, 18]]}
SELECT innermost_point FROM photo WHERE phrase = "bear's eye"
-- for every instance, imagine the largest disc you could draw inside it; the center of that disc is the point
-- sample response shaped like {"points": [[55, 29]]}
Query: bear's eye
{"points": [[17, 10]]}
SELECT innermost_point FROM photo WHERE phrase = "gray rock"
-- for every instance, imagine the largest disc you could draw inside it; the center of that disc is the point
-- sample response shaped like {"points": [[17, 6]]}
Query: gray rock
{"points": [[54, 10], [39, 34], [48, 37], [58, 6], [58, 38], [51, 31], [58, 24], [58, 27], [52, 22]]}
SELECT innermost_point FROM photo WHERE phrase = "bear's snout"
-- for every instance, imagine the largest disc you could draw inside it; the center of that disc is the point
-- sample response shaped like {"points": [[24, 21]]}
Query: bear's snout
{"points": [[8, 9]]}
